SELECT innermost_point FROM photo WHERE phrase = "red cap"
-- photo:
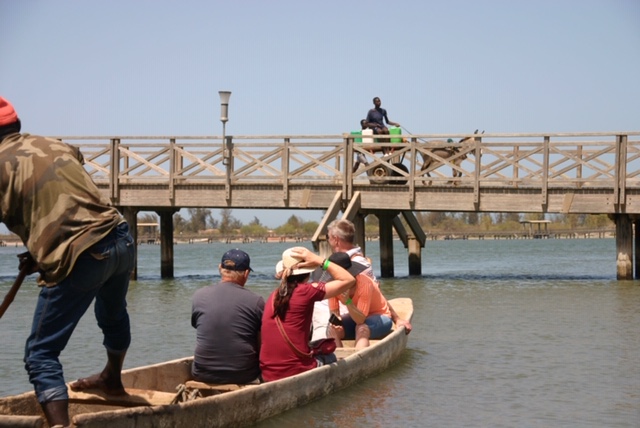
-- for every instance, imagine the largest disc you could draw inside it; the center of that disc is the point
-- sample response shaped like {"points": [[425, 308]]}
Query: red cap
{"points": [[7, 113]]}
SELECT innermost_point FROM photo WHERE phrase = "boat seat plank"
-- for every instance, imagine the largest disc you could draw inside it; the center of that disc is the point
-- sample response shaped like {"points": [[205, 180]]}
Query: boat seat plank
{"points": [[21, 421], [202, 386], [134, 397]]}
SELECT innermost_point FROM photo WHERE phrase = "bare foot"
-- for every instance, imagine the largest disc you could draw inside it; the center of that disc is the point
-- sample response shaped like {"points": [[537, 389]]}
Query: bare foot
{"points": [[97, 382]]}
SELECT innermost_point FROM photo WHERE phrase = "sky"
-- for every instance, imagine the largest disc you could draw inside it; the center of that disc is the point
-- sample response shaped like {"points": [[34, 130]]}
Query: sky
{"points": [[139, 68]]}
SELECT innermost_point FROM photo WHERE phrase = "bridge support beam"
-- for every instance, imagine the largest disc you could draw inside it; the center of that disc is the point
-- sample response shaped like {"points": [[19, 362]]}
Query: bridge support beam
{"points": [[386, 243], [319, 239], [624, 247], [166, 244], [415, 242]]}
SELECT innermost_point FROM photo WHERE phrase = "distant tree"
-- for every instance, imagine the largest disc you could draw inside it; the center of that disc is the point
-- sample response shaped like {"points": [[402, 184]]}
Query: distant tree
{"points": [[199, 219], [487, 222], [448, 224], [598, 221], [434, 219], [512, 217], [147, 218], [254, 230], [179, 223], [286, 229], [228, 223], [310, 227], [471, 218], [295, 221]]}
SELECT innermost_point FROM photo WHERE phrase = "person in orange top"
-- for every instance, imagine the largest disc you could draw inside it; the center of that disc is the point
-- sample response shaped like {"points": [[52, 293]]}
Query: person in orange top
{"points": [[341, 238], [369, 316]]}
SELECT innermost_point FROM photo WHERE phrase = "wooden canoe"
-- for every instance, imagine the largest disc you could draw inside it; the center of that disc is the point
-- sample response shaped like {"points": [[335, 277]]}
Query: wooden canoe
{"points": [[164, 395]]}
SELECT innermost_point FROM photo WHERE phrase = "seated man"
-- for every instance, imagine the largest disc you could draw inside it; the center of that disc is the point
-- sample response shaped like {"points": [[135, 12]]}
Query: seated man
{"points": [[360, 158], [369, 315], [227, 318], [376, 118], [341, 238]]}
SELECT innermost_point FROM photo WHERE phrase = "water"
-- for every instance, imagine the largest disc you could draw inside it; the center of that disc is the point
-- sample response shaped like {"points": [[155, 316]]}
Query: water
{"points": [[526, 333]]}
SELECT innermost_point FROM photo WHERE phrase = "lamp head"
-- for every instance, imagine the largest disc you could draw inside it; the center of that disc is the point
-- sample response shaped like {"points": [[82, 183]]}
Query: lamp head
{"points": [[224, 105]]}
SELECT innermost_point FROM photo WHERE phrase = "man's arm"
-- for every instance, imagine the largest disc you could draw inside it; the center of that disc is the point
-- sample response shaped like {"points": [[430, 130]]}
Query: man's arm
{"points": [[398, 321], [389, 122]]}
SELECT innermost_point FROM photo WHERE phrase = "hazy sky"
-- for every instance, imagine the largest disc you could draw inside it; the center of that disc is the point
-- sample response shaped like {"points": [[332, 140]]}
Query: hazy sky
{"points": [[297, 67]]}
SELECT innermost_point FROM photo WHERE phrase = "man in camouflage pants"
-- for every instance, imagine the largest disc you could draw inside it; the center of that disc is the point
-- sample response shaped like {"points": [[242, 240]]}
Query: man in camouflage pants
{"points": [[82, 248]]}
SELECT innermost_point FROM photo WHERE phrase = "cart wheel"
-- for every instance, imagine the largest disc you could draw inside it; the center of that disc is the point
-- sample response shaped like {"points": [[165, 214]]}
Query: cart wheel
{"points": [[377, 174], [397, 174]]}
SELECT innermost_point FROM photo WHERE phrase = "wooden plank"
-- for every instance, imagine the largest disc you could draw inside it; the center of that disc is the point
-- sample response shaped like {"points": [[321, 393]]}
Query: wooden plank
{"points": [[202, 386], [134, 397], [566, 204], [10, 421], [329, 216], [353, 208], [412, 221]]}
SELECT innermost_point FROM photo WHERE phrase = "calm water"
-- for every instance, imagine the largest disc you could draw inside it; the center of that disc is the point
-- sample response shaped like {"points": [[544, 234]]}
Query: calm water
{"points": [[506, 334]]}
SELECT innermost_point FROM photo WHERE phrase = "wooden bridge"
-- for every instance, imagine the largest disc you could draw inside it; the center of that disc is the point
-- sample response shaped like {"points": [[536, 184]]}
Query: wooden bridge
{"points": [[592, 173]]}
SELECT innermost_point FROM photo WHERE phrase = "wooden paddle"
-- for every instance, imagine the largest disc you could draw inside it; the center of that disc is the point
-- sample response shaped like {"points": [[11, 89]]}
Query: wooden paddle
{"points": [[13, 291]]}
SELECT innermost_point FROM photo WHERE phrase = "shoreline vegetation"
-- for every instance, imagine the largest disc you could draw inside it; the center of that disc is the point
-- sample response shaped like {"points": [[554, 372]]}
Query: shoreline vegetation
{"points": [[202, 227], [11, 240]]}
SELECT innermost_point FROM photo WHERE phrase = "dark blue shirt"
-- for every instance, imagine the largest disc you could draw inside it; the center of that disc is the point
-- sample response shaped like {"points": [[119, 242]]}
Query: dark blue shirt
{"points": [[376, 116]]}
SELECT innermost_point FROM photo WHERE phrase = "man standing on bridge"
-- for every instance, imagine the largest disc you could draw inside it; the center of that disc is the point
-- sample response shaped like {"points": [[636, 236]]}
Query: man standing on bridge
{"points": [[82, 249]]}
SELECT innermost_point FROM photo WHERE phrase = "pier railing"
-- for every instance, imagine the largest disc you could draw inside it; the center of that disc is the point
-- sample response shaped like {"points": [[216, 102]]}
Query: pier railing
{"points": [[482, 165]]}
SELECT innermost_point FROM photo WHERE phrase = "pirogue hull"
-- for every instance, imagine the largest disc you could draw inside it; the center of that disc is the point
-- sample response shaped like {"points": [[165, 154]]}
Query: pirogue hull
{"points": [[152, 390]]}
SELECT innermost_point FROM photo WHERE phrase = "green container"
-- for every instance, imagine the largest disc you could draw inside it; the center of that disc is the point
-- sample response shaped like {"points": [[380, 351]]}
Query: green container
{"points": [[395, 131], [357, 140]]}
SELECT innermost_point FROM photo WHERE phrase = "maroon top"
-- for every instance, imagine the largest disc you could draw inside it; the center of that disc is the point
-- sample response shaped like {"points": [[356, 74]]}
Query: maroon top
{"points": [[277, 359]]}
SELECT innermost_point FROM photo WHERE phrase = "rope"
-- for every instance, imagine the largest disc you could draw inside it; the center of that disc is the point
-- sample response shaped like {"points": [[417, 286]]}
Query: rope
{"points": [[411, 133], [185, 394]]}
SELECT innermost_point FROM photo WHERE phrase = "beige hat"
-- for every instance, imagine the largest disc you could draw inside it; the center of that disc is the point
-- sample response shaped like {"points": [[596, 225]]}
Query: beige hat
{"points": [[288, 261]]}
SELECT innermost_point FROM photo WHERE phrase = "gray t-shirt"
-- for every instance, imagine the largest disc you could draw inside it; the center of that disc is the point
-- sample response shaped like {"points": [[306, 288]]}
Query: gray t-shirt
{"points": [[227, 319]]}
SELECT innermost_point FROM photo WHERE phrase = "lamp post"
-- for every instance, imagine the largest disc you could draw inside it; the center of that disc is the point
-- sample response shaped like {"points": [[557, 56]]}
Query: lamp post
{"points": [[224, 117]]}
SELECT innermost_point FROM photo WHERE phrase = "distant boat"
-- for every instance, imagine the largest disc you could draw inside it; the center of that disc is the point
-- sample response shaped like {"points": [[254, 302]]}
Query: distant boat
{"points": [[164, 395]]}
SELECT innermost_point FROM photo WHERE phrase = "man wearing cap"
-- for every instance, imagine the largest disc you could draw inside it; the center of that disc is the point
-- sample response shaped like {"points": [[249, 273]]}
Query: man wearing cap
{"points": [[227, 318], [82, 249]]}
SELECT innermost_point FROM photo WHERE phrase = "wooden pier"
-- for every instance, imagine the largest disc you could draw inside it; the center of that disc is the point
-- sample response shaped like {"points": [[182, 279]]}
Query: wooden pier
{"points": [[569, 173]]}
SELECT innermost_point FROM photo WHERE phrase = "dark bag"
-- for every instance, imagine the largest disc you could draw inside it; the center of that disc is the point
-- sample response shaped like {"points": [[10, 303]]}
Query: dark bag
{"points": [[323, 346]]}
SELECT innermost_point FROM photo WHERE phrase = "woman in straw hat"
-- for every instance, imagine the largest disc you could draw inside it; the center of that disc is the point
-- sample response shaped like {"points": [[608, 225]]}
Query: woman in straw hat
{"points": [[286, 322]]}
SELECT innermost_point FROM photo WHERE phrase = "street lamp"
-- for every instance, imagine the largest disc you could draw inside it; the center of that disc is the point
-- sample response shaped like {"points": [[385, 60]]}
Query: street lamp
{"points": [[224, 117]]}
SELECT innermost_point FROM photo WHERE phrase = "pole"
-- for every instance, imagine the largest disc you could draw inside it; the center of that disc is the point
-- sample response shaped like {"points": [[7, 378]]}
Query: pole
{"points": [[12, 292]]}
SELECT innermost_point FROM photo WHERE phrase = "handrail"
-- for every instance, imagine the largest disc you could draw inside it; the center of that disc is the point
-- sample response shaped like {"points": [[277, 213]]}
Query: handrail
{"points": [[608, 161]]}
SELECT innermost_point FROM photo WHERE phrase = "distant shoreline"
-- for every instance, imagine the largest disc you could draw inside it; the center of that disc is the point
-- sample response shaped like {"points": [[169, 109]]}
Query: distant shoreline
{"points": [[14, 241]]}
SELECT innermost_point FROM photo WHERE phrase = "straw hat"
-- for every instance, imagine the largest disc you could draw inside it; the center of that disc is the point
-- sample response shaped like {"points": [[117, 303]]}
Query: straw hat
{"points": [[288, 261]]}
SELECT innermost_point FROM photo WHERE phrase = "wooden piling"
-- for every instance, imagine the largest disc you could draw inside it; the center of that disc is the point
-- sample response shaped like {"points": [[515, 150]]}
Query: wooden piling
{"points": [[624, 247], [386, 244], [166, 244]]}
